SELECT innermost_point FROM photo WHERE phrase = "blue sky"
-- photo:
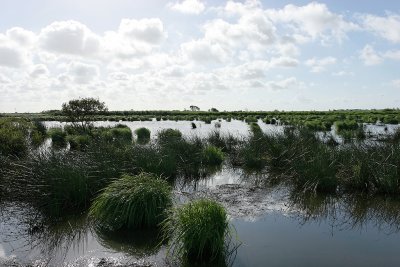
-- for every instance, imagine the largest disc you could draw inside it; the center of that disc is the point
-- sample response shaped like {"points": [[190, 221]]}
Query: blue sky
{"points": [[232, 55]]}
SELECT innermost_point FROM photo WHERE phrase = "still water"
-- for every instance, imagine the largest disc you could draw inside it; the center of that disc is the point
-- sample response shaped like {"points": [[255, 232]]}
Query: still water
{"points": [[274, 227]]}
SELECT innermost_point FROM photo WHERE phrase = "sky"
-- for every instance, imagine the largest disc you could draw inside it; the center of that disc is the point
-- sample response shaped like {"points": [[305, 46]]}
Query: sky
{"points": [[169, 55]]}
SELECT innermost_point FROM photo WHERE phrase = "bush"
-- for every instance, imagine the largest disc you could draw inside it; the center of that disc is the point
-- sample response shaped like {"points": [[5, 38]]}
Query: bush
{"points": [[13, 140], [143, 135], [197, 230], [78, 142], [132, 202], [58, 137], [213, 156], [169, 136]]}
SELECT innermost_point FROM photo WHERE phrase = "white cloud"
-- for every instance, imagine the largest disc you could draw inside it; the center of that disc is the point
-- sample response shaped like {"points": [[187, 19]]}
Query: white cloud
{"points": [[4, 79], [283, 84], [203, 51], [82, 73], [284, 62], [12, 55], [387, 27], [313, 20], [146, 30], [319, 65], [39, 70], [188, 6], [342, 73], [69, 37], [392, 54], [396, 83], [369, 56], [21, 36]]}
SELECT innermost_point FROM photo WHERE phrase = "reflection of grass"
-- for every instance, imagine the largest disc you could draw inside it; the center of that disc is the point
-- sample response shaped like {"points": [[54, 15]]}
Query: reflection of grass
{"points": [[142, 242]]}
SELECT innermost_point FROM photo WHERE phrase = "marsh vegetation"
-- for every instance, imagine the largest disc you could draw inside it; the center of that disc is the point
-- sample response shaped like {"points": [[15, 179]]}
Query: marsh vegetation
{"points": [[118, 179]]}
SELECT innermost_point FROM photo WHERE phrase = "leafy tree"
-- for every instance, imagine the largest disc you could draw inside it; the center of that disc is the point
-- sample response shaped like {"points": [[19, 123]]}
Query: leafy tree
{"points": [[81, 112], [194, 108], [213, 110]]}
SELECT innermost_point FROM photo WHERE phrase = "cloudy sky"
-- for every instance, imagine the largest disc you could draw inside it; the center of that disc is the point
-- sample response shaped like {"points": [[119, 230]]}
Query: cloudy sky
{"points": [[232, 55]]}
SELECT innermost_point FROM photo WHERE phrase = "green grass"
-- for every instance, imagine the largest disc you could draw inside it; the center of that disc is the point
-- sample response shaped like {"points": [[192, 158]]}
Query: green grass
{"points": [[132, 202], [58, 137], [213, 156], [169, 136], [197, 231], [13, 137], [143, 135]]}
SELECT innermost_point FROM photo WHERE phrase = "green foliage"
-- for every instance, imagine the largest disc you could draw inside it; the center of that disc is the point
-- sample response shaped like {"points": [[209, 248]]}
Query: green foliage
{"points": [[169, 136], [132, 202], [346, 125], [13, 137], [197, 231], [143, 135], [255, 128], [78, 142], [82, 111], [58, 137], [212, 156]]}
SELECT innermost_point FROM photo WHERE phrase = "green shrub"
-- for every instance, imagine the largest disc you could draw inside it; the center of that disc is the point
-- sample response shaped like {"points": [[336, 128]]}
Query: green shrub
{"points": [[197, 231], [58, 137], [143, 135], [132, 202], [14, 137], [78, 142], [169, 136], [213, 156]]}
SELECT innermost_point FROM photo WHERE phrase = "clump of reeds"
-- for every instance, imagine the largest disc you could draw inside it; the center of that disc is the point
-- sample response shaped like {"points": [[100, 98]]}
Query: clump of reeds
{"points": [[58, 137], [197, 231], [131, 202], [143, 135], [213, 156]]}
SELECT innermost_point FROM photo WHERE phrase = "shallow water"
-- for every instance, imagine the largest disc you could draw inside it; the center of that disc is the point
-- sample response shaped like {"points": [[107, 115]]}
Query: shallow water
{"points": [[275, 228]]}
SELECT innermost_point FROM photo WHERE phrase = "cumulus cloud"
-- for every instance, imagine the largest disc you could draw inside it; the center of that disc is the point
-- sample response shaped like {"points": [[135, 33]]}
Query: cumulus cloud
{"points": [[313, 20], [147, 30], [203, 51], [387, 27], [21, 36], [369, 56], [320, 64], [283, 84], [188, 6], [69, 37], [82, 73], [12, 56], [39, 70]]}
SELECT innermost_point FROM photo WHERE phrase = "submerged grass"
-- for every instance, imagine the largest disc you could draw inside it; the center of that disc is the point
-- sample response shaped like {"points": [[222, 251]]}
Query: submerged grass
{"points": [[132, 202]]}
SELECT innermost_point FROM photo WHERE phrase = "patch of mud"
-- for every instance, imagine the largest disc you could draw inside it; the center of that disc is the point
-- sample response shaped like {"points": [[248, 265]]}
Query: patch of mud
{"points": [[245, 201]]}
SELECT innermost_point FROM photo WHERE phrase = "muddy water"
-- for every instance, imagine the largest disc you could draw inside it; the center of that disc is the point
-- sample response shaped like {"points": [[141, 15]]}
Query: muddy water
{"points": [[274, 227]]}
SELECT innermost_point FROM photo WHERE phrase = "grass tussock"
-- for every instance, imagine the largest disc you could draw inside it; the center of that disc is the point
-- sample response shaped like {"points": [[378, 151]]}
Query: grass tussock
{"points": [[197, 231], [143, 135], [132, 202]]}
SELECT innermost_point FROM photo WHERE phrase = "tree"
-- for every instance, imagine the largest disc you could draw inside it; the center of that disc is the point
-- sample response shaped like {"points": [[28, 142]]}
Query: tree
{"points": [[194, 108], [213, 110], [81, 111]]}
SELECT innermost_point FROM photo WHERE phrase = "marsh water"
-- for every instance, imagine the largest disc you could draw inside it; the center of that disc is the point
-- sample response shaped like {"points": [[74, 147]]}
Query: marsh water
{"points": [[274, 226]]}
